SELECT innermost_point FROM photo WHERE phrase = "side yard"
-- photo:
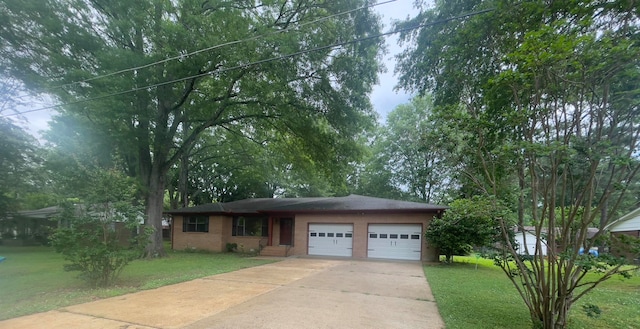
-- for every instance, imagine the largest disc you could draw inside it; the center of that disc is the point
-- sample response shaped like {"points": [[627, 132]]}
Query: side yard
{"points": [[32, 278], [484, 298]]}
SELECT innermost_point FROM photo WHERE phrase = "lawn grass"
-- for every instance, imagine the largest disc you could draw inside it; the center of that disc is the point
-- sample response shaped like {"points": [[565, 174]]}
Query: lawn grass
{"points": [[484, 298], [32, 278]]}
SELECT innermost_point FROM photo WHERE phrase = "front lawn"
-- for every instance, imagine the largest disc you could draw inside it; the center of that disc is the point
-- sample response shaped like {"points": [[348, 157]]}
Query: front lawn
{"points": [[484, 298], [32, 279]]}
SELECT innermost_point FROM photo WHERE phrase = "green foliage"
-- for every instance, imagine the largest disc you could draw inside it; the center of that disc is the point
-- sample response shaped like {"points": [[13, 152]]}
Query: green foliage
{"points": [[19, 160], [591, 310], [466, 224], [231, 247], [316, 101], [103, 234], [408, 157], [545, 95]]}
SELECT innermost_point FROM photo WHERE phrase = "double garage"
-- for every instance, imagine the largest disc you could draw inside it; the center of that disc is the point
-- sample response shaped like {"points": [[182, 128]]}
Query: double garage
{"points": [[386, 241]]}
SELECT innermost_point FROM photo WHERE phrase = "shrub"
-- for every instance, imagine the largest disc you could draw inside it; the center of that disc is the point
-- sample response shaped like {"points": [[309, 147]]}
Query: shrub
{"points": [[101, 237], [231, 247]]}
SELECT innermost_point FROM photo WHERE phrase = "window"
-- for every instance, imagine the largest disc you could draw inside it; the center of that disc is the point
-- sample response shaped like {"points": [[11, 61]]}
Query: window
{"points": [[404, 236], [313, 234], [250, 226], [415, 236], [373, 235], [195, 224], [383, 236], [321, 234], [348, 235], [339, 235], [393, 236], [329, 235]]}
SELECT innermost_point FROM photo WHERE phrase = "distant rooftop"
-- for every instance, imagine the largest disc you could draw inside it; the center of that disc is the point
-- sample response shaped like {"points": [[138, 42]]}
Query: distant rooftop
{"points": [[351, 203]]}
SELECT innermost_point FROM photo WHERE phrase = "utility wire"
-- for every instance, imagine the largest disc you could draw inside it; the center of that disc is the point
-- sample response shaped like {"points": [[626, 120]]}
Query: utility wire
{"points": [[222, 70], [230, 43]]}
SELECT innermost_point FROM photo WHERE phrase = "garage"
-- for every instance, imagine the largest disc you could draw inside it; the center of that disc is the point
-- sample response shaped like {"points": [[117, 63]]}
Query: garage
{"points": [[331, 239], [395, 241]]}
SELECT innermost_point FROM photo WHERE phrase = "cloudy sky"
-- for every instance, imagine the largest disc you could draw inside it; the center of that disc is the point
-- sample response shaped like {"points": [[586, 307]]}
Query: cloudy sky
{"points": [[384, 98]]}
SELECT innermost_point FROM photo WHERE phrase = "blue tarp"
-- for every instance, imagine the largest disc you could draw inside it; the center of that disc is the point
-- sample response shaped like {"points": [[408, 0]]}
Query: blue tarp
{"points": [[2, 259]]}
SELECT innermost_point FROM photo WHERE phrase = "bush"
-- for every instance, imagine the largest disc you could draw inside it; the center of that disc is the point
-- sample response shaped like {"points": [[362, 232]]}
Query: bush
{"points": [[231, 247], [103, 236]]}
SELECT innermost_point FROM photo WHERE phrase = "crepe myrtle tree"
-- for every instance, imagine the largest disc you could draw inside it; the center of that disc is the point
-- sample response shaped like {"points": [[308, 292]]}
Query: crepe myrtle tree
{"points": [[547, 100]]}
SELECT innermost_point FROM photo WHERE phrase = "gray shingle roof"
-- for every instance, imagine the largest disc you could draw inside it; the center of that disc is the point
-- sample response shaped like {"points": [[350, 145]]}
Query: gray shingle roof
{"points": [[351, 203]]}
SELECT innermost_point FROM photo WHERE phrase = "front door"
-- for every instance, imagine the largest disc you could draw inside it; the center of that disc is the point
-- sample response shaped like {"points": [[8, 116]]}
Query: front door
{"points": [[286, 231]]}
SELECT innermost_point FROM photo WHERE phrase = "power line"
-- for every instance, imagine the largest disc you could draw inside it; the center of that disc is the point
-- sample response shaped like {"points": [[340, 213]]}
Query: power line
{"points": [[222, 70], [230, 43]]}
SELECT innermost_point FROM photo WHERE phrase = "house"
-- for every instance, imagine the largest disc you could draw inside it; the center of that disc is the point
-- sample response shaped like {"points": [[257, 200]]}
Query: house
{"points": [[28, 227], [627, 225], [351, 226], [526, 240], [33, 227]]}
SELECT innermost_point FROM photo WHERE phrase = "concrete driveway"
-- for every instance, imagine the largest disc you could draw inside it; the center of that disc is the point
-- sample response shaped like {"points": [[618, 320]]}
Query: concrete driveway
{"points": [[293, 293]]}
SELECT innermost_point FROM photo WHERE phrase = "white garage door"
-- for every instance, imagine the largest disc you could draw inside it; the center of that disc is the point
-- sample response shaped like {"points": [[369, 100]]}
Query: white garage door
{"points": [[331, 239], [395, 241]]}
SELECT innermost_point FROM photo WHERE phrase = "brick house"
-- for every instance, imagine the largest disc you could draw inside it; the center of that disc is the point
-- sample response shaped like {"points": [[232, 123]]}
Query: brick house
{"points": [[351, 226]]}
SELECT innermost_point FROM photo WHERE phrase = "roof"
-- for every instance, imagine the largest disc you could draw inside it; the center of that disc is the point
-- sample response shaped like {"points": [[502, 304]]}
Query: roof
{"points": [[44, 213], [628, 222], [351, 203]]}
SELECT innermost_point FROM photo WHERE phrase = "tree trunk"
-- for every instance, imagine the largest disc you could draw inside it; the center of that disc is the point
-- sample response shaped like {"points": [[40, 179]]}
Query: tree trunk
{"points": [[155, 206], [183, 180], [448, 258]]}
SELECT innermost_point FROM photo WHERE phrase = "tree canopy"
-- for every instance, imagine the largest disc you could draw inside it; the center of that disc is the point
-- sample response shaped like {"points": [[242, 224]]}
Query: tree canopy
{"points": [[19, 158], [152, 76]]}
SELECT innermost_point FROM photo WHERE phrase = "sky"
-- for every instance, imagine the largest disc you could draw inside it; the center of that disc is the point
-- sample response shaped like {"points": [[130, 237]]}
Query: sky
{"points": [[383, 97]]}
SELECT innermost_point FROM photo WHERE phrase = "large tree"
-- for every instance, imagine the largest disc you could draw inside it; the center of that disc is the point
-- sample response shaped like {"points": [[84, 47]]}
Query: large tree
{"points": [[154, 114], [416, 146], [546, 94]]}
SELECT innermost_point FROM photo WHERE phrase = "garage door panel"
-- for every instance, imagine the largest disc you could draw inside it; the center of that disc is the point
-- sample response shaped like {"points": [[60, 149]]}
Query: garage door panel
{"points": [[331, 239], [395, 241]]}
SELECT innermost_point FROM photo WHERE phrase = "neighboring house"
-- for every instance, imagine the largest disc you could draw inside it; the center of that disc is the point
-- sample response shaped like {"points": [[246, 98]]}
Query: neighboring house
{"points": [[28, 227], [526, 240], [351, 226], [628, 225], [33, 227]]}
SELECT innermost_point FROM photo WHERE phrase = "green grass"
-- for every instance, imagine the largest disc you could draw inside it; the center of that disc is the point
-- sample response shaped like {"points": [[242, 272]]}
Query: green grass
{"points": [[484, 298], [32, 279]]}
